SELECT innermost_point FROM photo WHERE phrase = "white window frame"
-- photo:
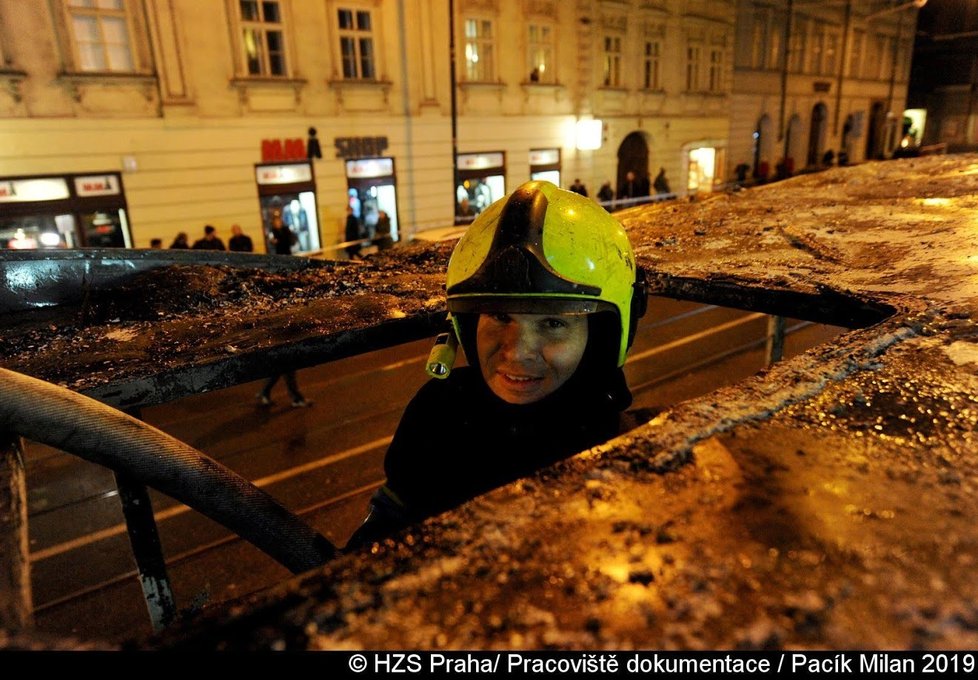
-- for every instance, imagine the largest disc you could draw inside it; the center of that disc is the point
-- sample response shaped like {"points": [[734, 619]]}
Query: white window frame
{"points": [[102, 14], [818, 48], [611, 50], [694, 57], [262, 27], [479, 49], [715, 81], [797, 45], [775, 47], [652, 62], [760, 30], [357, 35], [831, 59], [856, 53], [541, 49]]}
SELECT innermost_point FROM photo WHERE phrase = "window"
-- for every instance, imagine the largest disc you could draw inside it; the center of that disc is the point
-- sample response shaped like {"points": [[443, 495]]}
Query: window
{"points": [[612, 61], [263, 37], [818, 48], [796, 45], [479, 43], [100, 30], [653, 55], [830, 62], [759, 41], [856, 55], [775, 58], [693, 68], [873, 58], [716, 69], [540, 41], [357, 44]]}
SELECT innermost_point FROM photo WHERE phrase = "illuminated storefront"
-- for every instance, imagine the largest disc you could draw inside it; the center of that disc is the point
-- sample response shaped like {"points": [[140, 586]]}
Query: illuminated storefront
{"points": [[288, 191], [64, 211], [372, 190], [545, 165], [481, 180]]}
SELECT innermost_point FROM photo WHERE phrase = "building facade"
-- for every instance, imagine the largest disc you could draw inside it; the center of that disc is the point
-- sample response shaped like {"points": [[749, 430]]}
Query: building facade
{"points": [[817, 83], [944, 82], [127, 120]]}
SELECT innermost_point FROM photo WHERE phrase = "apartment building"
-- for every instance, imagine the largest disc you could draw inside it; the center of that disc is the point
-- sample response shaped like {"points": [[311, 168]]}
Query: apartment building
{"points": [[127, 120], [813, 78]]}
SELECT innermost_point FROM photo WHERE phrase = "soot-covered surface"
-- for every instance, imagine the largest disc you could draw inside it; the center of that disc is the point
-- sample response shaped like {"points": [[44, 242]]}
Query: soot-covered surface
{"points": [[828, 502]]}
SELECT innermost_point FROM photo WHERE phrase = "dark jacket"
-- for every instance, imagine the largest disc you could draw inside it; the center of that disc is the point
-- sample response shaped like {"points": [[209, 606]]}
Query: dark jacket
{"points": [[241, 244], [283, 239], [457, 440], [209, 244]]}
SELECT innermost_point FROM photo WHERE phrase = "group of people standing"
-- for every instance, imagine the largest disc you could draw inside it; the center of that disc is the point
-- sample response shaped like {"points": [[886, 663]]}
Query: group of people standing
{"points": [[632, 189], [239, 241]]}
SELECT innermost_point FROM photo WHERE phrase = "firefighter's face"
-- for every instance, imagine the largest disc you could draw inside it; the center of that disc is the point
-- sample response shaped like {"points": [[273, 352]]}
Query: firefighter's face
{"points": [[526, 357]]}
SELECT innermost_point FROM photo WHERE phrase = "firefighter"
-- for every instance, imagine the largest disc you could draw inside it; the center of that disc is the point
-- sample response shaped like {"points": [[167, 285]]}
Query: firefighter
{"points": [[544, 296]]}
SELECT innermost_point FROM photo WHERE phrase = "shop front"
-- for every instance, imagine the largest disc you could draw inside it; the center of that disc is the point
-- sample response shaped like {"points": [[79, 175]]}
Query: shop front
{"points": [[372, 193], [64, 211], [481, 180], [287, 192], [545, 165]]}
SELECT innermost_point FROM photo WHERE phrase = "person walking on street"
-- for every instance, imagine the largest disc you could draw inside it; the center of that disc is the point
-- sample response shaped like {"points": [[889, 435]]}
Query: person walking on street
{"points": [[264, 397]]}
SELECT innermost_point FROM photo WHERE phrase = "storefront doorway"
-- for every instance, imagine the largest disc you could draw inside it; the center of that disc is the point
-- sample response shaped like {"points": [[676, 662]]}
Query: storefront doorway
{"points": [[633, 156], [545, 165], [481, 180], [372, 190], [816, 135], [702, 169], [67, 211], [288, 191]]}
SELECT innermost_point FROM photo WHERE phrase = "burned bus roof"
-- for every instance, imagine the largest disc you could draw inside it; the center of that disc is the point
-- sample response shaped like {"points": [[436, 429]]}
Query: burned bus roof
{"points": [[826, 502]]}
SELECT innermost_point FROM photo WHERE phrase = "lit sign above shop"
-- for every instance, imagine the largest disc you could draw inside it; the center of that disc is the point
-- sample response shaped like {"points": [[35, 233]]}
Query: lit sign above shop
{"points": [[27, 190], [479, 161], [589, 133], [544, 156], [372, 167], [360, 147], [284, 174], [283, 150], [97, 185]]}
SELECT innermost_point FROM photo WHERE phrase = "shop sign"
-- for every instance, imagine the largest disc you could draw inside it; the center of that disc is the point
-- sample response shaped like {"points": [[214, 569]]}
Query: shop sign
{"points": [[97, 185], [371, 167], [480, 161], [283, 174], [360, 147], [28, 190], [544, 156], [283, 150]]}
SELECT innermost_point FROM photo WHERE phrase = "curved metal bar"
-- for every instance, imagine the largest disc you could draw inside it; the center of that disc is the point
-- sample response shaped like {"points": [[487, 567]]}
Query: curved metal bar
{"points": [[79, 425]]}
